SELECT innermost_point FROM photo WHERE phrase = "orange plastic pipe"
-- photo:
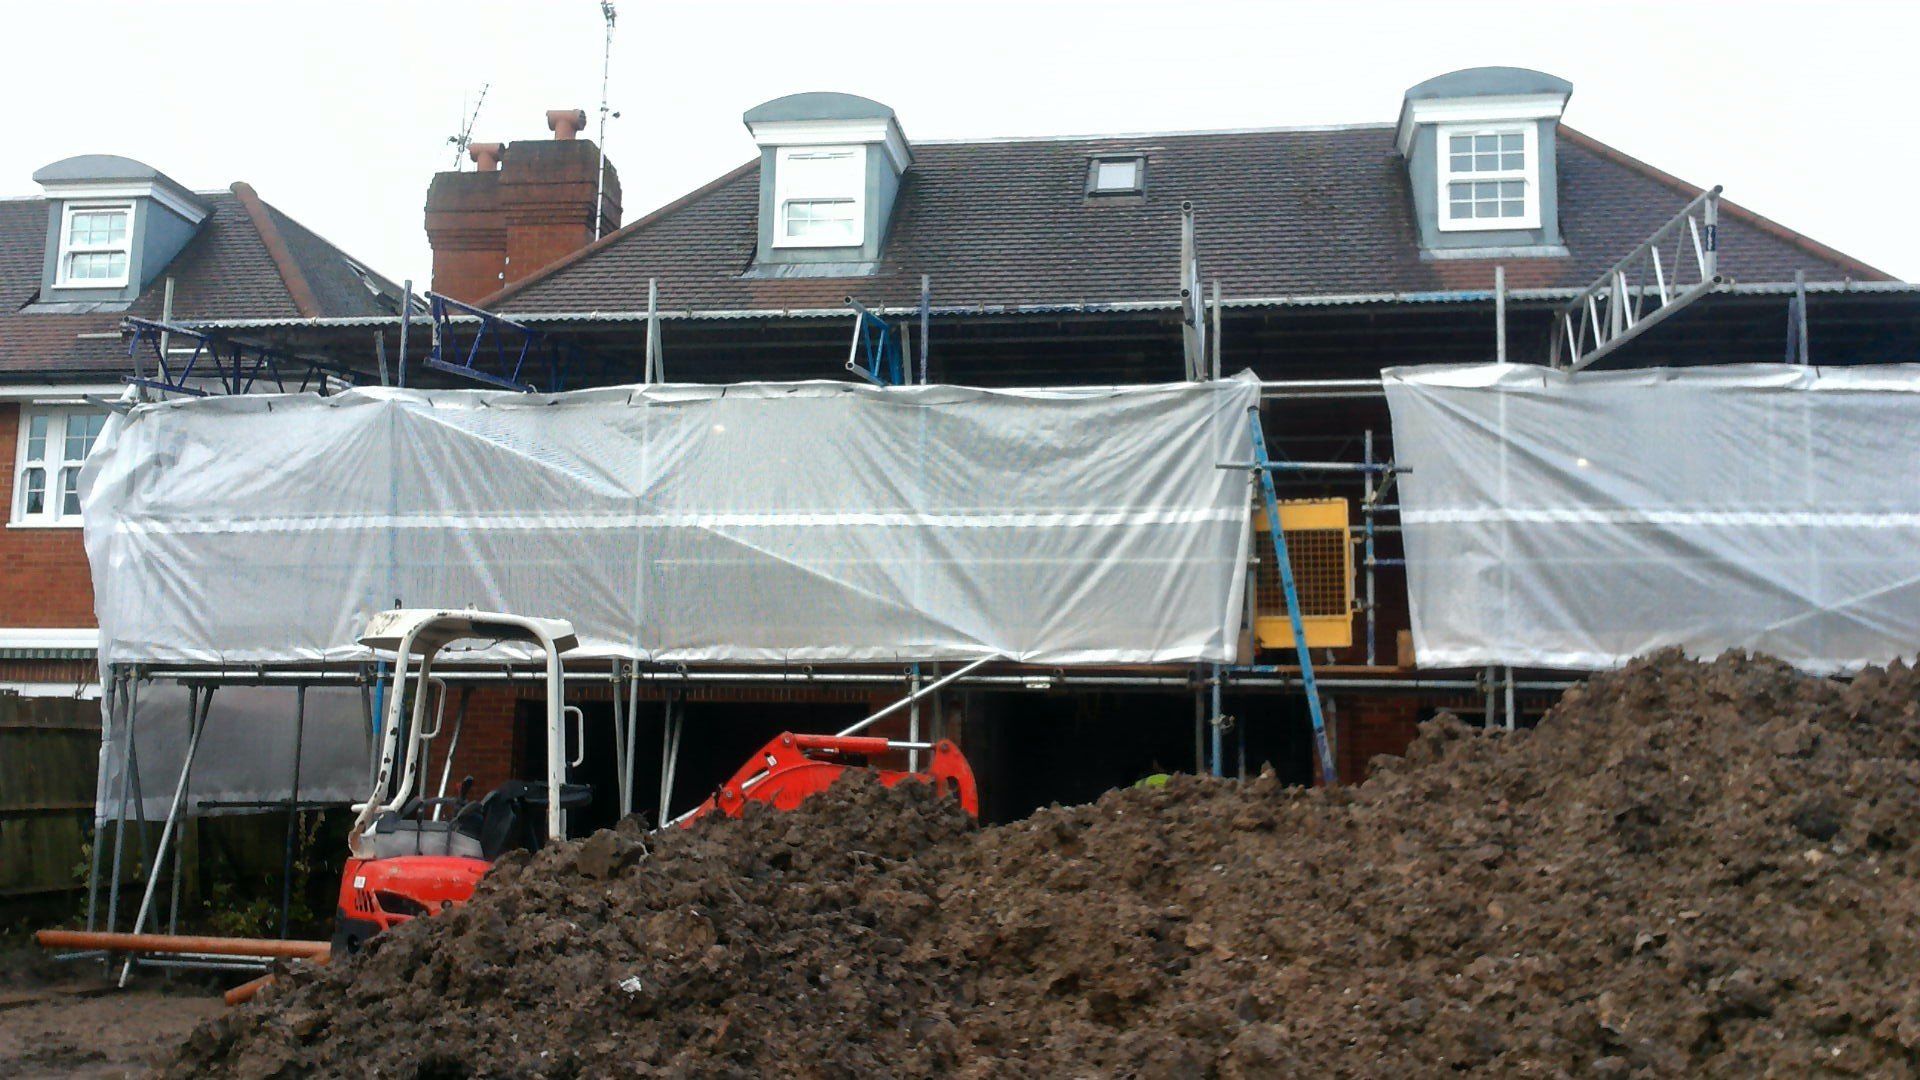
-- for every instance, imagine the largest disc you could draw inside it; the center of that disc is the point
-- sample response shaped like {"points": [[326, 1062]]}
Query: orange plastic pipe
{"points": [[245, 992], [174, 943]]}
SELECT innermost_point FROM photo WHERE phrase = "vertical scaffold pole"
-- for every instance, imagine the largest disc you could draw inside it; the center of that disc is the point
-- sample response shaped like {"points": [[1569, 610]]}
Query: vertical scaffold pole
{"points": [[112, 696], [293, 808], [1500, 314], [406, 320], [127, 767], [1367, 521], [1263, 469], [622, 768], [1213, 695], [633, 730], [926, 322], [913, 718]]}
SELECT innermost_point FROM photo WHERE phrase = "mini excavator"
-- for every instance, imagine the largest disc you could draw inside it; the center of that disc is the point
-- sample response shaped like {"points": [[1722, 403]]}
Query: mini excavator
{"points": [[412, 855]]}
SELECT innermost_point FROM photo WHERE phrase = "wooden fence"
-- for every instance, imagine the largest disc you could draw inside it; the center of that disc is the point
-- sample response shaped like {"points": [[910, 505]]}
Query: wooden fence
{"points": [[49, 752]]}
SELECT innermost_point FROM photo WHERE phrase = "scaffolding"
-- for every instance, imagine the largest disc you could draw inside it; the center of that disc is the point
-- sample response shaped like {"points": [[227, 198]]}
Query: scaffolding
{"points": [[1642, 290]]}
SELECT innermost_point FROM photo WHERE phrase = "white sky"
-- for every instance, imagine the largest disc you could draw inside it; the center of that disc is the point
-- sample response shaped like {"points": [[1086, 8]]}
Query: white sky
{"points": [[338, 112]]}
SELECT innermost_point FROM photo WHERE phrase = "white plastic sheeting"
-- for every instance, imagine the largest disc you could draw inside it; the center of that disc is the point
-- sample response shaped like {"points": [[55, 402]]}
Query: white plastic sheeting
{"points": [[1578, 521], [246, 751], [761, 523]]}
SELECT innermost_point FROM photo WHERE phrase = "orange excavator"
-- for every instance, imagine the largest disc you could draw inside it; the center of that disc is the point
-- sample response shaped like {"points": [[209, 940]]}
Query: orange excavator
{"points": [[414, 855]]}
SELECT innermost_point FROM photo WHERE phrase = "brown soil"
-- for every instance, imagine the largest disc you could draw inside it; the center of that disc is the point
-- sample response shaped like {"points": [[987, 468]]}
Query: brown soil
{"points": [[115, 1034], [1688, 869]]}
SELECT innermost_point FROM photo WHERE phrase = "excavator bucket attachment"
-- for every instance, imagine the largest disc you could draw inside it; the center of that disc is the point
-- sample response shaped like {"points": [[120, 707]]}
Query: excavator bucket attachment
{"points": [[793, 767]]}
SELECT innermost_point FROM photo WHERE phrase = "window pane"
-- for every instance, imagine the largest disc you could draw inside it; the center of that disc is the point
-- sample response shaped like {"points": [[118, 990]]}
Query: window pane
{"points": [[1513, 162], [1460, 144], [82, 429], [1462, 163], [1116, 175], [37, 437], [820, 219], [97, 228], [1460, 209], [70, 491], [35, 481], [1485, 144], [1512, 209], [1510, 142], [1486, 162], [1512, 189]]}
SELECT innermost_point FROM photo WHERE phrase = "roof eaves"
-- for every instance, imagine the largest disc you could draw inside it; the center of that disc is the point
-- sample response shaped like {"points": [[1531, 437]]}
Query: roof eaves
{"points": [[509, 292], [1764, 224], [283, 260]]}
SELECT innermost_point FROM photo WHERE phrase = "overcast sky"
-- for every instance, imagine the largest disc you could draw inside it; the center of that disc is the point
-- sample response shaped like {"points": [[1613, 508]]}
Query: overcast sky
{"points": [[339, 112]]}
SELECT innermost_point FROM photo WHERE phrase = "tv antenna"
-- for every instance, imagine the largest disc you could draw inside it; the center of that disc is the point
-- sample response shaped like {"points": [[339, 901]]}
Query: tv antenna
{"points": [[465, 138], [606, 69]]}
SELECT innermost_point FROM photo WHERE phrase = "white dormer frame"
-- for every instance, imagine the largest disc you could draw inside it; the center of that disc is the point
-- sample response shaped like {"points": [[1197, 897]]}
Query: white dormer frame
{"points": [[792, 183], [1528, 175], [62, 278]]}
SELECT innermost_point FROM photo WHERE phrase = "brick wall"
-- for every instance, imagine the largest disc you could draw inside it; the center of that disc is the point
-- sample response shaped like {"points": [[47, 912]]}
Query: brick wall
{"points": [[44, 579], [1370, 726]]}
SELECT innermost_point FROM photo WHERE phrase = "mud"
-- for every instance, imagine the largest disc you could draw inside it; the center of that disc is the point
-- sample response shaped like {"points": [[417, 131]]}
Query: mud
{"points": [[1686, 870], [79, 1036]]}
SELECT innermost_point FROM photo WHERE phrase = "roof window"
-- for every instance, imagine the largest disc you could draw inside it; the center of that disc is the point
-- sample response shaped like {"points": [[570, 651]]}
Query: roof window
{"points": [[95, 244], [819, 196], [1489, 178], [1124, 175]]}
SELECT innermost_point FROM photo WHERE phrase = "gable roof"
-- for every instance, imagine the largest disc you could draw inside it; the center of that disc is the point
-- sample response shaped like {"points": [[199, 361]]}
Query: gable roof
{"points": [[246, 260], [1289, 212]]}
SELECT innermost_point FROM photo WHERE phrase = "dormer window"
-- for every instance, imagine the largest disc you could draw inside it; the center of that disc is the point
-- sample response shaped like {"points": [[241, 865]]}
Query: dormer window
{"points": [[820, 196], [95, 245], [1125, 175], [1489, 178]]}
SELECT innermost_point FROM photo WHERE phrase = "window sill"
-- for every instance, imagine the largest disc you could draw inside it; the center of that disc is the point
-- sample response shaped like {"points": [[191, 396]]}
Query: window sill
{"points": [[45, 524]]}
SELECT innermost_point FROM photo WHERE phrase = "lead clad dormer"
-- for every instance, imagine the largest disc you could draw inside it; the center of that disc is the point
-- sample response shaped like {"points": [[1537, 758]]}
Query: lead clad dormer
{"points": [[830, 168], [113, 224], [1479, 146]]}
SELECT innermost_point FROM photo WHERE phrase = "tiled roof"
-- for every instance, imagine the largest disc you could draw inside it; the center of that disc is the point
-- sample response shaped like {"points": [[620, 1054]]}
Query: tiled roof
{"points": [[1279, 213], [227, 271]]}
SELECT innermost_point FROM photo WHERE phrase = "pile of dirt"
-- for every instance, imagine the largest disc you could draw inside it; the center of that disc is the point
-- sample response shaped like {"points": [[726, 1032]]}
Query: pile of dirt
{"points": [[1688, 868]]}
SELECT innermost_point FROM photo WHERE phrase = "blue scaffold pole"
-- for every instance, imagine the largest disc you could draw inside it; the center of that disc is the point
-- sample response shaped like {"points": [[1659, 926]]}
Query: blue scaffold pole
{"points": [[1263, 468]]}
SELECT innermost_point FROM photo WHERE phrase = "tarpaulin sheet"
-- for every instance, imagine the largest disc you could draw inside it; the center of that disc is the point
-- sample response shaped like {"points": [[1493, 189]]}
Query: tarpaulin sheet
{"points": [[1576, 521], [759, 523], [246, 755]]}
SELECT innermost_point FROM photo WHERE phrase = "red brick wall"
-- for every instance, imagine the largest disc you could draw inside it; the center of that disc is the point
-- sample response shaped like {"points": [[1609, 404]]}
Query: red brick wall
{"points": [[44, 580], [1369, 727]]}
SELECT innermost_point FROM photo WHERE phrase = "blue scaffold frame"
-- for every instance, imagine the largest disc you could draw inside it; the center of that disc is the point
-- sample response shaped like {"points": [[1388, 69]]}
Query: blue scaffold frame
{"points": [[878, 353], [510, 345], [227, 365]]}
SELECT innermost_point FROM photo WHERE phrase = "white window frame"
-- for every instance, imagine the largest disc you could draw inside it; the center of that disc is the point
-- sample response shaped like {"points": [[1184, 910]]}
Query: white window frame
{"points": [[61, 278], [789, 187], [1528, 174], [53, 513]]}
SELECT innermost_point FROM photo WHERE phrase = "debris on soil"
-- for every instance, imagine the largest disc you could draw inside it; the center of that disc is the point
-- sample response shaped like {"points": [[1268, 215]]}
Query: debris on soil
{"points": [[1686, 869]]}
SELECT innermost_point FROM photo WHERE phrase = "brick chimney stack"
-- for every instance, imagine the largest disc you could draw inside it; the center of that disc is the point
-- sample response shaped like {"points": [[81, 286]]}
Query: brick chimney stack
{"points": [[529, 203]]}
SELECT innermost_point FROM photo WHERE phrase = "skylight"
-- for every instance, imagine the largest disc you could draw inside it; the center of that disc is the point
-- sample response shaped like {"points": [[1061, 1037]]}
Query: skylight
{"points": [[1124, 175]]}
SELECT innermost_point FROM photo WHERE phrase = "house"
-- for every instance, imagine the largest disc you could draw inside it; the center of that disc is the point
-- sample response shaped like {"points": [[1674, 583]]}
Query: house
{"points": [[1468, 225], [109, 237]]}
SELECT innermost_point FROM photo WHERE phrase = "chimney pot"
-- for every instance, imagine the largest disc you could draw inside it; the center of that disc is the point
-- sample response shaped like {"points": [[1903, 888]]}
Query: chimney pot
{"points": [[566, 123], [486, 155]]}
